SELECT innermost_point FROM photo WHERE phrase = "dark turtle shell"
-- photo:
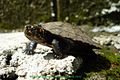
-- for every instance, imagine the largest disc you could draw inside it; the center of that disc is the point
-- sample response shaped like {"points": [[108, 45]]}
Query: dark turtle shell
{"points": [[69, 31]]}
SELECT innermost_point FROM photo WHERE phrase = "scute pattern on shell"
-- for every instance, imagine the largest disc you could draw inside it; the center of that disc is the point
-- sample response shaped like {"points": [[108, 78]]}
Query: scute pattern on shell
{"points": [[69, 31]]}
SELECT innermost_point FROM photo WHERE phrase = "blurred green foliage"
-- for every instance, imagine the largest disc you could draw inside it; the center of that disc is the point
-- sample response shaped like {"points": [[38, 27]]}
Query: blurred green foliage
{"points": [[17, 13], [79, 11]]}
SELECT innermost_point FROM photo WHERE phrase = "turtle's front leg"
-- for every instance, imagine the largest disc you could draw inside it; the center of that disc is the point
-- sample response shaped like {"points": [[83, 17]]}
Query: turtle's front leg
{"points": [[56, 48], [30, 48]]}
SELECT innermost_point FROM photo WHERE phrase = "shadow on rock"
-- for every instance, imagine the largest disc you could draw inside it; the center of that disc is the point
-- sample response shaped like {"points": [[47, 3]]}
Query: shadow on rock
{"points": [[93, 63]]}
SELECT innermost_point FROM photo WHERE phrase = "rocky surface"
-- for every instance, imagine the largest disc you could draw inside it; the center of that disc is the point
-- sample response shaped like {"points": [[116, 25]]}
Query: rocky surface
{"points": [[115, 28], [108, 40], [16, 65]]}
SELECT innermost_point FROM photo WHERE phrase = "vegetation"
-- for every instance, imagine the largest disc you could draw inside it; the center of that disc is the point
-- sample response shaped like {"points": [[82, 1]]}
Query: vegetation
{"points": [[17, 13], [107, 66]]}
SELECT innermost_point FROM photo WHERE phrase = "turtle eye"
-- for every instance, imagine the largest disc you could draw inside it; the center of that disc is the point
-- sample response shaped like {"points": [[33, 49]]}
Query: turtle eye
{"points": [[28, 27]]}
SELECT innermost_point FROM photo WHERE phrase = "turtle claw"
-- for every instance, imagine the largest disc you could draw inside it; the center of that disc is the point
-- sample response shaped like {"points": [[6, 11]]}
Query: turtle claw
{"points": [[58, 55], [30, 48], [28, 51]]}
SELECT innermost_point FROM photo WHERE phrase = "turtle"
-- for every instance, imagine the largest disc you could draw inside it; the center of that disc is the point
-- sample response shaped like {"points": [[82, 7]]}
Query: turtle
{"points": [[62, 37]]}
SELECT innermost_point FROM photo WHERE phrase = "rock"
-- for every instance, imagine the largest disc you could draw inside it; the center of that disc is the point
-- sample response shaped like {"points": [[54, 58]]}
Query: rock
{"points": [[8, 73], [115, 28], [108, 40], [2, 61], [102, 40], [37, 66], [42, 65]]}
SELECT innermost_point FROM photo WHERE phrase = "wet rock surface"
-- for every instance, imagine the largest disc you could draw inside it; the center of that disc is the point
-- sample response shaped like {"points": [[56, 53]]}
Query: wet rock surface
{"points": [[42, 65]]}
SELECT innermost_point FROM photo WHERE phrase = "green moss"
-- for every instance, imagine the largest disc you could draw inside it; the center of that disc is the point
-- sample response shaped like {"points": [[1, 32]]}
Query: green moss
{"points": [[113, 73], [109, 53]]}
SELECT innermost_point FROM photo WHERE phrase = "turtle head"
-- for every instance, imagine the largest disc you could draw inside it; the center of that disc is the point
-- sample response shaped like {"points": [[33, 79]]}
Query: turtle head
{"points": [[30, 30], [34, 32]]}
